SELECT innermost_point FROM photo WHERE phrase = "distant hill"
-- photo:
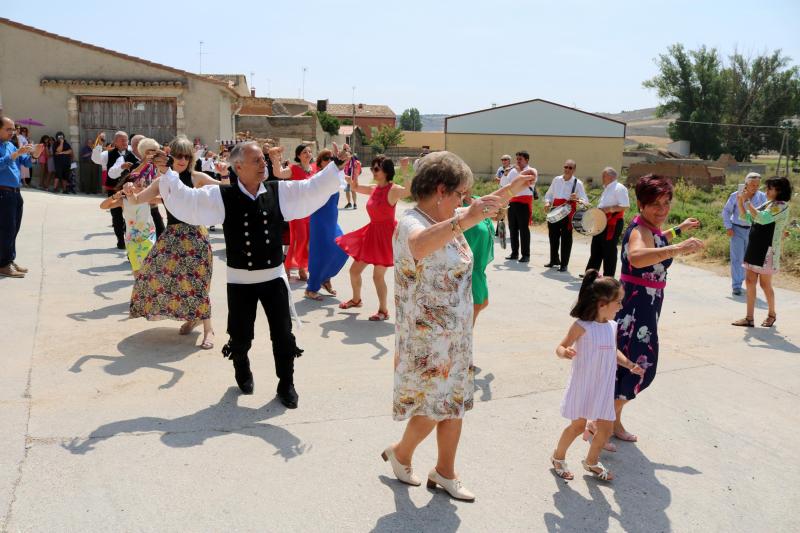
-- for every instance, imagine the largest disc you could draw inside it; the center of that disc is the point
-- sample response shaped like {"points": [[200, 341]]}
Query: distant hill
{"points": [[643, 122]]}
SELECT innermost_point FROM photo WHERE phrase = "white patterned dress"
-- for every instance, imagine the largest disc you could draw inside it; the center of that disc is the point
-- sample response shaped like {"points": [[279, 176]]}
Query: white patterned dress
{"points": [[433, 372]]}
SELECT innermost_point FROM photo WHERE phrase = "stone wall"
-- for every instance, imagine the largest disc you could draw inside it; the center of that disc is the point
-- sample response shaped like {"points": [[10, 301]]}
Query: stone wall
{"points": [[278, 127]]}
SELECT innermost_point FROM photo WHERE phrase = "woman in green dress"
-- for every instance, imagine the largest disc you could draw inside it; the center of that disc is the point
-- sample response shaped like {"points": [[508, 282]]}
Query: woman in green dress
{"points": [[480, 238]]}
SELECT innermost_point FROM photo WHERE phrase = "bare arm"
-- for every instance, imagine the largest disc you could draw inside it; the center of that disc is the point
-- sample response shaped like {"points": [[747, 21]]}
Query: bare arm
{"points": [[201, 178], [147, 195], [565, 349], [397, 193], [363, 189], [624, 362], [280, 172], [642, 251], [112, 201]]}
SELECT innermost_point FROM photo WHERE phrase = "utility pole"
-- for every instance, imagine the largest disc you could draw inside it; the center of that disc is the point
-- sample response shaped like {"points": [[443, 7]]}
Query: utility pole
{"points": [[201, 58], [353, 136], [303, 92], [269, 88], [253, 83]]}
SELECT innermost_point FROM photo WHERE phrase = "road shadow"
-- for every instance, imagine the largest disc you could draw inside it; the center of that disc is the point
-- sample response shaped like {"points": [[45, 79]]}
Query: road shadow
{"points": [[223, 418], [100, 234], [770, 339], [94, 251], [120, 309], [358, 332], [98, 270], [484, 384], [112, 286], [742, 298], [438, 515], [572, 282], [153, 349], [305, 305], [510, 264], [642, 499]]}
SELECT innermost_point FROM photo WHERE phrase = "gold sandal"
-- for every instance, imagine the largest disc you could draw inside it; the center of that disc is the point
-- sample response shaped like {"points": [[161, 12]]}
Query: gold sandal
{"points": [[744, 322]]}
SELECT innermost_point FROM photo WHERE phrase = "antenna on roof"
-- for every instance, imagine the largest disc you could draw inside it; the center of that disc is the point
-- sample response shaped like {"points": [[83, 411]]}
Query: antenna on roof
{"points": [[201, 58]]}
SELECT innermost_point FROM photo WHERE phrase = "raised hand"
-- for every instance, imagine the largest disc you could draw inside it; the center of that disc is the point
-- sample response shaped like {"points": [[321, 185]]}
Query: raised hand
{"points": [[689, 224], [484, 207], [690, 246], [160, 160]]}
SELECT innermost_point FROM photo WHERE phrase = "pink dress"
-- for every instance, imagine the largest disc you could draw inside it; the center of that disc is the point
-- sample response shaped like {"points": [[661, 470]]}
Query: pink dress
{"points": [[372, 244], [590, 390]]}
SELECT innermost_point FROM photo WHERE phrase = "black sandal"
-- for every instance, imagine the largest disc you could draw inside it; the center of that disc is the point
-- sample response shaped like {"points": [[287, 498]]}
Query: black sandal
{"points": [[744, 322], [769, 321]]}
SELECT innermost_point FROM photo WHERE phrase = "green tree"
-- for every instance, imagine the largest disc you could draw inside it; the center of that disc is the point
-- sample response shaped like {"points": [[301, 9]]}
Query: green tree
{"points": [[692, 85], [410, 120], [329, 123], [385, 138]]}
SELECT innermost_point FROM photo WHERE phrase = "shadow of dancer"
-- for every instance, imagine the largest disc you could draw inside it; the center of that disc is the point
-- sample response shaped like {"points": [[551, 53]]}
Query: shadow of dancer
{"points": [[484, 384], [93, 251], [438, 515], [223, 418], [112, 286], [121, 309], [577, 512], [152, 348], [769, 339], [357, 332], [97, 270]]}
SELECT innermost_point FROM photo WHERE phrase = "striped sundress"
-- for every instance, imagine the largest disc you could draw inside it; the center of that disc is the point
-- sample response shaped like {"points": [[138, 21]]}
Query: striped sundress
{"points": [[590, 390]]}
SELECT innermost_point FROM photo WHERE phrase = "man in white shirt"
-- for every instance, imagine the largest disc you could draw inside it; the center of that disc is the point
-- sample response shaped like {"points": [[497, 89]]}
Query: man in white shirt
{"points": [[106, 159], [614, 200], [738, 228], [563, 189], [251, 211], [520, 208]]}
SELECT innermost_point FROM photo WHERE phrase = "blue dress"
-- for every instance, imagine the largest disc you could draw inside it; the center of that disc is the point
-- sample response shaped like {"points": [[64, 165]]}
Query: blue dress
{"points": [[637, 332], [325, 258]]}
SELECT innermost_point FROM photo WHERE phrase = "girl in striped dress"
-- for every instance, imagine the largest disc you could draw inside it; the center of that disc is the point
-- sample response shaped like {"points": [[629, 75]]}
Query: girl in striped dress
{"points": [[591, 345]]}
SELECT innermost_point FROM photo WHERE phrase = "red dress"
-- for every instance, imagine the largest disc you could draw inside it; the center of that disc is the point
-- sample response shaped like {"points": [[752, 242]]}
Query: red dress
{"points": [[372, 244], [297, 254]]}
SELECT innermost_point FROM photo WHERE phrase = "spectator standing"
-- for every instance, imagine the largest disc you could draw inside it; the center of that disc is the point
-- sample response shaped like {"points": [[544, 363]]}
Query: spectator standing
{"points": [[62, 153], [738, 229], [11, 158]]}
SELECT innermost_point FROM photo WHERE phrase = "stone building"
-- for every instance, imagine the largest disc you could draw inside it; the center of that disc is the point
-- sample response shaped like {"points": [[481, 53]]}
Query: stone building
{"points": [[82, 89]]}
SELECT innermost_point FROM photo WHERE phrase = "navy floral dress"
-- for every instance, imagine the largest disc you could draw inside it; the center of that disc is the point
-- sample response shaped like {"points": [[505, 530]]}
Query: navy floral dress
{"points": [[637, 332]]}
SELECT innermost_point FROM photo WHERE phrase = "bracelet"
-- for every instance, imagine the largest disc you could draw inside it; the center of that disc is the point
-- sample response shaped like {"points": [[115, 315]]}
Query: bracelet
{"points": [[455, 226], [671, 231], [676, 230]]}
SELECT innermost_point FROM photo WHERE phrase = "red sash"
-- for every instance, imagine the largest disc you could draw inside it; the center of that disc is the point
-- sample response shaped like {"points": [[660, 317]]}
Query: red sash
{"points": [[528, 200], [611, 223], [561, 201]]}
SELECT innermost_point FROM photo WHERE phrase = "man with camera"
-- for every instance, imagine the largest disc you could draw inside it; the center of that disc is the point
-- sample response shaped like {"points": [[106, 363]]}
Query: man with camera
{"points": [[107, 158], [10, 198], [251, 211]]}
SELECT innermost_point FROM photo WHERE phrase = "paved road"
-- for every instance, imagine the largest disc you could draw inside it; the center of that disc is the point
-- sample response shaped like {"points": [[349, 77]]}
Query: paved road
{"points": [[110, 424]]}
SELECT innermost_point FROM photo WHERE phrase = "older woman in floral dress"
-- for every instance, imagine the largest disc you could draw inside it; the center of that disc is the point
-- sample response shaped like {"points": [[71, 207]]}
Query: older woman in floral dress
{"points": [[433, 377]]}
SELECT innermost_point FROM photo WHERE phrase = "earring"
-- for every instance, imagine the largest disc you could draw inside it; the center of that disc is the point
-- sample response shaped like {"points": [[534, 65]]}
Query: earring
{"points": [[438, 202]]}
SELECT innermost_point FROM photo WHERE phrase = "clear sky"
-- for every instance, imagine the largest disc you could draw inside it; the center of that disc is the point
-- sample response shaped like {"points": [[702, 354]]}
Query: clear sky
{"points": [[439, 56]]}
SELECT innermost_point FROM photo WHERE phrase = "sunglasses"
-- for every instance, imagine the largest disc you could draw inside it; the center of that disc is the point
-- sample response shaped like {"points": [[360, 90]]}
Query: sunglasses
{"points": [[180, 157], [567, 167]]}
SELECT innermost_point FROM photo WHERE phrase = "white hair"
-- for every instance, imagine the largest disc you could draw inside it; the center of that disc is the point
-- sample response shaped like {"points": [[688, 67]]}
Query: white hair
{"points": [[237, 152], [752, 176], [611, 172], [120, 133]]}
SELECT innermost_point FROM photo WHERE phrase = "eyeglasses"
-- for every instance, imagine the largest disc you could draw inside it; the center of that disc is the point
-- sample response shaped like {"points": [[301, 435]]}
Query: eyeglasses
{"points": [[180, 157], [567, 167]]}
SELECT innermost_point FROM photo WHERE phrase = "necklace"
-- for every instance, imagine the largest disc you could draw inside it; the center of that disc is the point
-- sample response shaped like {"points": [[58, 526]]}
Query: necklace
{"points": [[455, 239]]}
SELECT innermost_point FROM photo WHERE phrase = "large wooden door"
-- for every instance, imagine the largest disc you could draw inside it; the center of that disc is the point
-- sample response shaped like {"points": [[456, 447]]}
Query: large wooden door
{"points": [[151, 117]]}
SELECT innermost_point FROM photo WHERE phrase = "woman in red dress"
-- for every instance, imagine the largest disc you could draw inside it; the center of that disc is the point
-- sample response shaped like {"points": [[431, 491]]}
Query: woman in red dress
{"points": [[297, 254], [372, 244]]}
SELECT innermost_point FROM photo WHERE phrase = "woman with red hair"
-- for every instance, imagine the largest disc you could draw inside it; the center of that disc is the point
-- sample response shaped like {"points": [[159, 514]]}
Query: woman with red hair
{"points": [[646, 256]]}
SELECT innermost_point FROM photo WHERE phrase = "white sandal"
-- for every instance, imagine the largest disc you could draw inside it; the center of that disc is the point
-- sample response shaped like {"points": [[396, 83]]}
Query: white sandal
{"points": [[602, 475], [561, 468]]}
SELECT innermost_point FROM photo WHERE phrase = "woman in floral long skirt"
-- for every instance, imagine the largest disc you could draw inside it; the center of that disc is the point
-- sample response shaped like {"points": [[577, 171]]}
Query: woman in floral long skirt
{"points": [[174, 280]]}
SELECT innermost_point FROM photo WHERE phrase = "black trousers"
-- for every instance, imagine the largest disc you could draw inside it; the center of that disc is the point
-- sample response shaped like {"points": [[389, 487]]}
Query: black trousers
{"points": [[604, 251], [560, 233], [10, 221], [242, 306], [117, 221], [158, 222], [519, 215]]}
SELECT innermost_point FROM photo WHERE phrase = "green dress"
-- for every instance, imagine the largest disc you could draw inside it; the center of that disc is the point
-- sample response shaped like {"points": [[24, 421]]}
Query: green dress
{"points": [[480, 238]]}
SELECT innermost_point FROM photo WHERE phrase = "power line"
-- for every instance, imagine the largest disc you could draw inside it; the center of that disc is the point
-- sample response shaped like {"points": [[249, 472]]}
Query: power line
{"points": [[732, 125]]}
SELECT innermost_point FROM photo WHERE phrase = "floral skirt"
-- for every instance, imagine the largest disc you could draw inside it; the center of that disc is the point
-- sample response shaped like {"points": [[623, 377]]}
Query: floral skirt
{"points": [[174, 279]]}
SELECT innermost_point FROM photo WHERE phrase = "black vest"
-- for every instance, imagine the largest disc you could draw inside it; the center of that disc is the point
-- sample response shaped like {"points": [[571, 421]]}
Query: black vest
{"points": [[113, 155], [252, 228]]}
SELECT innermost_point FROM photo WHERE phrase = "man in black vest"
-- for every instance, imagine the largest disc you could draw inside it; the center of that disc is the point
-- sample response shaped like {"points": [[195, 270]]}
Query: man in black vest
{"points": [[106, 159], [251, 211]]}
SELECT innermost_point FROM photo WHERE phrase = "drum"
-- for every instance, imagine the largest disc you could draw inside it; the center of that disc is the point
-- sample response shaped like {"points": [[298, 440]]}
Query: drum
{"points": [[589, 222], [559, 213]]}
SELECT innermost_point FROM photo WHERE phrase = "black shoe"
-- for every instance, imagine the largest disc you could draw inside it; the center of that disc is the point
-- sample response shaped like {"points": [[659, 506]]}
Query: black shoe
{"points": [[348, 206], [212, 228], [243, 375], [355, 206], [552, 264], [512, 257], [562, 269], [737, 292], [287, 395], [120, 246], [524, 259], [581, 275]]}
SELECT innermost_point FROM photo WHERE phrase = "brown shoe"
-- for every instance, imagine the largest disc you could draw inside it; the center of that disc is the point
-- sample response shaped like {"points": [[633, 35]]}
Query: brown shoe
{"points": [[9, 271], [19, 268]]}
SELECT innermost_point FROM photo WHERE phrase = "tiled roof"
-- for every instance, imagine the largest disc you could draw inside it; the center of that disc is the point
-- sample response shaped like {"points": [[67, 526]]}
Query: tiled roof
{"points": [[106, 51], [295, 101], [362, 110]]}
